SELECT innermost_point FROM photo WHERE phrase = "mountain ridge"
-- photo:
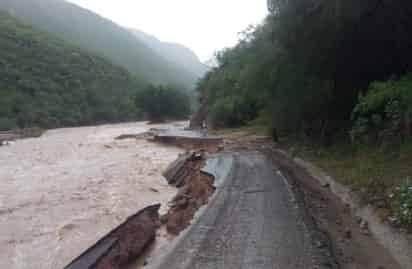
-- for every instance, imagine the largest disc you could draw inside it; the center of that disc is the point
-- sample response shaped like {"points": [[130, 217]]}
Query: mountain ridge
{"points": [[48, 83], [94, 33], [172, 50]]}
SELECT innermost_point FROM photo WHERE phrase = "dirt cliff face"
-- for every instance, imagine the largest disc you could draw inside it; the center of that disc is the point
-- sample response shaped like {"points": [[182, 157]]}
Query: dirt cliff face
{"points": [[195, 188]]}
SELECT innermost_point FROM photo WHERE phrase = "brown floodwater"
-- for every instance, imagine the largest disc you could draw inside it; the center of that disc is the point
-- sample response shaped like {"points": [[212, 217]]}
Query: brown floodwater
{"points": [[63, 191]]}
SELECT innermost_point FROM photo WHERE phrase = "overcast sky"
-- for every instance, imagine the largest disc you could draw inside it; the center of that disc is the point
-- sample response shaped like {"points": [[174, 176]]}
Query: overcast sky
{"points": [[202, 25]]}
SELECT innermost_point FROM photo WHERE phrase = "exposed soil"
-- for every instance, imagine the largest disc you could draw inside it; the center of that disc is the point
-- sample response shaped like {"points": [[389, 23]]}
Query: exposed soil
{"points": [[195, 188]]}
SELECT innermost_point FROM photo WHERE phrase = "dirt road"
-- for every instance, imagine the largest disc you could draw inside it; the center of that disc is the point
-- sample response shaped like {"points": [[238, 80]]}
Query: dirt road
{"points": [[61, 192]]}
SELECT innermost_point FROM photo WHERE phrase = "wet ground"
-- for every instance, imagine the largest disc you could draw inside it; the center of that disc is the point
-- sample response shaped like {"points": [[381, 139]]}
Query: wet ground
{"points": [[253, 222], [266, 214], [63, 191]]}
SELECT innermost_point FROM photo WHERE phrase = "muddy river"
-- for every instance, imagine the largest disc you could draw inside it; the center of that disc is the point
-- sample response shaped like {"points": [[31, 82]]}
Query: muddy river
{"points": [[61, 192]]}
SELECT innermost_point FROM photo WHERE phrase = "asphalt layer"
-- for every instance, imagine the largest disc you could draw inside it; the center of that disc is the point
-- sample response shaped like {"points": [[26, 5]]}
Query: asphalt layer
{"points": [[253, 221]]}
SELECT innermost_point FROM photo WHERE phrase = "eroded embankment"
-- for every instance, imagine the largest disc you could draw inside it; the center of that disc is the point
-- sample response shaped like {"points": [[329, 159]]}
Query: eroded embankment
{"points": [[133, 239], [122, 245], [195, 188]]}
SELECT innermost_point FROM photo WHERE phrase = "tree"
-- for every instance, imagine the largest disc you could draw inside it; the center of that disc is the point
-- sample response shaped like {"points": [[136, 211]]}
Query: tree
{"points": [[163, 102], [304, 67]]}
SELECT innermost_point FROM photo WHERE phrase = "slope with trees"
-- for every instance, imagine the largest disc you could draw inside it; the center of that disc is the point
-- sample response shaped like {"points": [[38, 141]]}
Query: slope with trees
{"points": [[334, 73], [160, 103], [98, 35], [47, 83]]}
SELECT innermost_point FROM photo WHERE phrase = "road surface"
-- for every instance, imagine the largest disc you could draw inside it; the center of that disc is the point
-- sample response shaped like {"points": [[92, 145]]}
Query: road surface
{"points": [[253, 222]]}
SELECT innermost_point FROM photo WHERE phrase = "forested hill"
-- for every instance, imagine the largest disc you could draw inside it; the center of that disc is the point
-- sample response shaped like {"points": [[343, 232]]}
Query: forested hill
{"points": [[318, 69], [332, 82], [174, 52], [89, 31], [46, 83]]}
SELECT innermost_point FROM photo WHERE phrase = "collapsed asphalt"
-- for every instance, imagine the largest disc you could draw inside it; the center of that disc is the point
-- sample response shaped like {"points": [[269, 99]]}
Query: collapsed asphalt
{"points": [[253, 221]]}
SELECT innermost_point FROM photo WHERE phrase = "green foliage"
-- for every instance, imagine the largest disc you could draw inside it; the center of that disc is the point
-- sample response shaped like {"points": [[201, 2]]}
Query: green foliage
{"points": [[47, 83], [305, 66], [232, 112], [7, 124], [402, 203], [163, 102], [384, 112], [101, 36]]}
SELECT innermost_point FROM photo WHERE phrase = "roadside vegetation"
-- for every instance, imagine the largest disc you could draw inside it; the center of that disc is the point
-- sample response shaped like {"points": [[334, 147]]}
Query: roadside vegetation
{"points": [[333, 79]]}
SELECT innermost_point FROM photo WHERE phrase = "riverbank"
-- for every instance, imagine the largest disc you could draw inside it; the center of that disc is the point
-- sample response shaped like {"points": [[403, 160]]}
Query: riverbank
{"points": [[61, 192]]}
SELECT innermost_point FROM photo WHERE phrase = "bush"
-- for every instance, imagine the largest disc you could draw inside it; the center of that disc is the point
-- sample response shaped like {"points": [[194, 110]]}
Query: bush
{"points": [[384, 113], [402, 203]]}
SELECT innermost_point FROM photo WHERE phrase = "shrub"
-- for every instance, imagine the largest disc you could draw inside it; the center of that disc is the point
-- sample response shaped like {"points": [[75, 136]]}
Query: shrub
{"points": [[384, 112], [402, 203]]}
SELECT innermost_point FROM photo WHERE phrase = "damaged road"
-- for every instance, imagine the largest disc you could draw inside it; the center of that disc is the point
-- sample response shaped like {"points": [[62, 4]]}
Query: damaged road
{"points": [[253, 221], [262, 213]]}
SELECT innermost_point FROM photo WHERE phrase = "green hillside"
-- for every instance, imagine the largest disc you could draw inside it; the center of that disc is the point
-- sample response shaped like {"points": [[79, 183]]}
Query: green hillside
{"points": [[45, 82], [89, 31]]}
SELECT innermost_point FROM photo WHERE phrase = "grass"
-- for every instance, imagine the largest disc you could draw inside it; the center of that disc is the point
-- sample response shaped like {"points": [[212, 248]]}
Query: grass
{"points": [[376, 173], [373, 172]]}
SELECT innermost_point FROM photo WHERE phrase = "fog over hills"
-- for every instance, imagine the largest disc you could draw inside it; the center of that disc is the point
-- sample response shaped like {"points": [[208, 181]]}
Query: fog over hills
{"points": [[177, 53], [145, 57]]}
